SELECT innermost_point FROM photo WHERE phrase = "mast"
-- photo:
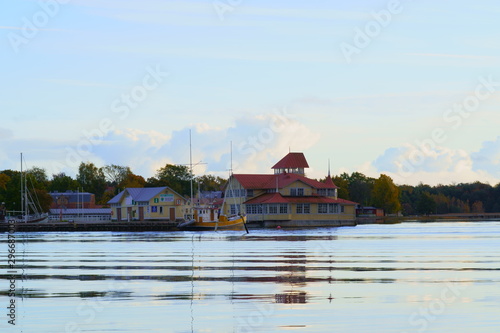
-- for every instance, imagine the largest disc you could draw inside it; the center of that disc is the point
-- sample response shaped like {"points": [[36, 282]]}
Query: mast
{"points": [[191, 167], [23, 210]]}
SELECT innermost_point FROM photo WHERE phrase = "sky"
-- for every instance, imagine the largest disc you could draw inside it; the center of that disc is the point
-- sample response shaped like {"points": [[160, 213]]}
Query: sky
{"points": [[410, 89]]}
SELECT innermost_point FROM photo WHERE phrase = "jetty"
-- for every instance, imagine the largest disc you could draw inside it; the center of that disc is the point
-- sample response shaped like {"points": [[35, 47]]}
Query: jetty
{"points": [[83, 226]]}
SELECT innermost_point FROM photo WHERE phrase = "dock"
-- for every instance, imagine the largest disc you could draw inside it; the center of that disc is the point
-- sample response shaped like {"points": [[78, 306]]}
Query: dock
{"points": [[90, 226]]}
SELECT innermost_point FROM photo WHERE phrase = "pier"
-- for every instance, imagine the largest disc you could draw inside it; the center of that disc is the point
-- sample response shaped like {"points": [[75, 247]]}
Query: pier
{"points": [[92, 226]]}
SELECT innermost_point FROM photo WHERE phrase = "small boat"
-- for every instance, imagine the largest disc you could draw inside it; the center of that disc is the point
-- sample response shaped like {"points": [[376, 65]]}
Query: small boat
{"points": [[30, 210], [201, 221], [208, 217]]}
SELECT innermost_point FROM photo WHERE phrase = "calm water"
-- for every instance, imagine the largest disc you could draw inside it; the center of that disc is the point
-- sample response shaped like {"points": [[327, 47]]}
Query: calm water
{"points": [[410, 277]]}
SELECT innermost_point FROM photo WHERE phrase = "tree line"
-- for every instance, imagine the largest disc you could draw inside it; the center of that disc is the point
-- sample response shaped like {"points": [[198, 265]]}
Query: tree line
{"points": [[422, 199], [105, 182]]}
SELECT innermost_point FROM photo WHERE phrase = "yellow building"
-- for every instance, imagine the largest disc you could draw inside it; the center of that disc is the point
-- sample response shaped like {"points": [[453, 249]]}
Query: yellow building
{"points": [[288, 197], [149, 203]]}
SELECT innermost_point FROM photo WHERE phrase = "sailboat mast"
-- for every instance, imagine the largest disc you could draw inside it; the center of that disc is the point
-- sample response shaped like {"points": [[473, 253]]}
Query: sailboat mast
{"points": [[22, 188], [24, 194], [191, 167]]}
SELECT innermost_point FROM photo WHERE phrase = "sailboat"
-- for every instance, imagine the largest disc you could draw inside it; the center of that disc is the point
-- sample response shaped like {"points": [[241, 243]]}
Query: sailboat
{"points": [[30, 207], [210, 217]]}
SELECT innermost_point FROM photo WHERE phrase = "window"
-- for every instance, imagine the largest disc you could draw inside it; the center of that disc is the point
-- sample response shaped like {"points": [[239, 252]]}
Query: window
{"points": [[297, 192], [254, 209], [283, 208], [303, 208], [322, 208], [273, 209], [341, 209], [161, 210], [156, 200], [327, 192], [249, 193], [234, 209]]}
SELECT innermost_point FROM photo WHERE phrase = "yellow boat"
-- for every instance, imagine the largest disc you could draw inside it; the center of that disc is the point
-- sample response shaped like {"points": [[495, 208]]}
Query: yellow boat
{"points": [[204, 220]]}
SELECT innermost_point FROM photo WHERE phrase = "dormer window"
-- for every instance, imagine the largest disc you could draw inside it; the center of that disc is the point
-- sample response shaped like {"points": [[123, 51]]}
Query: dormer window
{"points": [[297, 192]]}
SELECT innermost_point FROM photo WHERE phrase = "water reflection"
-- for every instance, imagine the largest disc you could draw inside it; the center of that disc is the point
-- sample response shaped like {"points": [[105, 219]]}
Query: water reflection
{"points": [[280, 280]]}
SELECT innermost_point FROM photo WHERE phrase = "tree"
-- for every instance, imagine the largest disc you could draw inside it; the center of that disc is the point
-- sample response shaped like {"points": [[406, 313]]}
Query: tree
{"points": [[210, 182], [44, 199], [4, 180], [477, 207], [426, 204], [177, 177], [62, 183], [115, 174], [386, 195], [359, 186], [121, 177], [37, 177], [343, 190], [92, 180], [11, 194], [132, 180]]}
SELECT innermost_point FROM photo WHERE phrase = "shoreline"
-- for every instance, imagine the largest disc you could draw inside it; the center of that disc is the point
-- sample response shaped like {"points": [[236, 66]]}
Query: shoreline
{"points": [[144, 226]]}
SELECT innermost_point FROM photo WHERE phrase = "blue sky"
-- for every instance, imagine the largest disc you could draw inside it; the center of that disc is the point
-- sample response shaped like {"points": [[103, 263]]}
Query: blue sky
{"points": [[364, 84]]}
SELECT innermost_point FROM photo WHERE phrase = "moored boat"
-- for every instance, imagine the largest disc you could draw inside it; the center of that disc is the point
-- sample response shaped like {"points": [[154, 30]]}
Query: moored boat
{"points": [[30, 208], [200, 221]]}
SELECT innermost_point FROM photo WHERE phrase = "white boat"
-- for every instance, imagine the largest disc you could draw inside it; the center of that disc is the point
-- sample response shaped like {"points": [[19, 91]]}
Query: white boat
{"points": [[209, 217], [31, 211]]}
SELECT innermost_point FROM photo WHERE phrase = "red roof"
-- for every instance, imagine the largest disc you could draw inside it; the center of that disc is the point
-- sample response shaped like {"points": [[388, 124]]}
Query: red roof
{"points": [[329, 181], [264, 182], [278, 198], [268, 198], [292, 160]]}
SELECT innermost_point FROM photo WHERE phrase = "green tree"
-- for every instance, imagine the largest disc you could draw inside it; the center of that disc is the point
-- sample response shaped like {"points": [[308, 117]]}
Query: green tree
{"points": [[210, 182], [44, 199], [426, 204], [4, 180], [386, 195], [177, 177], [92, 179], [360, 187], [343, 190], [115, 174], [121, 177], [11, 193], [62, 183], [37, 177]]}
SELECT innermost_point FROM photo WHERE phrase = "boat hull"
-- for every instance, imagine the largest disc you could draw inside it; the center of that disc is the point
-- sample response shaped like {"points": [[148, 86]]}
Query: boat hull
{"points": [[235, 224]]}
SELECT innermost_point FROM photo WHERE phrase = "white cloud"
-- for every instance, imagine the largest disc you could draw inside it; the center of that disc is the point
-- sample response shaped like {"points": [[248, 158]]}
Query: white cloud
{"points": [[258, 142], [409, 164], [488, 157]]}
